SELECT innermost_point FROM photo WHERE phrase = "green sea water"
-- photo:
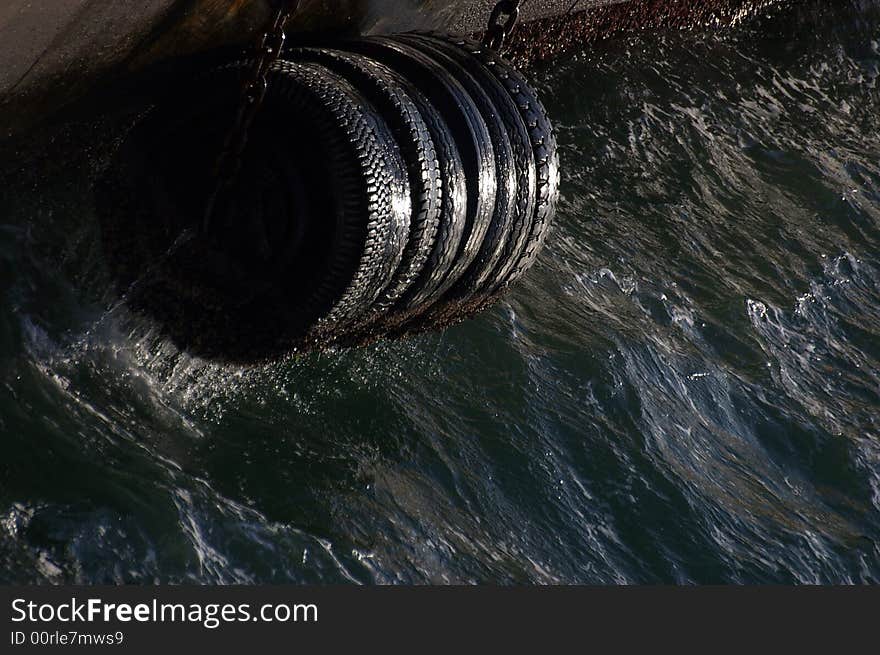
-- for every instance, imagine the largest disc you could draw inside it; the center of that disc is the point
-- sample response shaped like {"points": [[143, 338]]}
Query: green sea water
{"points": [[685, 389]]}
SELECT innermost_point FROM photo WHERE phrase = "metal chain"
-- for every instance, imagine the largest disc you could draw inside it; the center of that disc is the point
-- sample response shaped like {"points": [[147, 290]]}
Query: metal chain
{"points": [[502, 22], [252, 94]]}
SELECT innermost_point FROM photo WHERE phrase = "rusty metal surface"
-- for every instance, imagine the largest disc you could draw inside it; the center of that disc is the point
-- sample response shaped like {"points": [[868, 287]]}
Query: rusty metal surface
{"points": [[53, 51]]}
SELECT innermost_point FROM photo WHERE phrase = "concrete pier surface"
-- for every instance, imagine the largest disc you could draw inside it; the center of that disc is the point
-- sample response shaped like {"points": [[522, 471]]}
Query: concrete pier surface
{"points": [[55, 51]]}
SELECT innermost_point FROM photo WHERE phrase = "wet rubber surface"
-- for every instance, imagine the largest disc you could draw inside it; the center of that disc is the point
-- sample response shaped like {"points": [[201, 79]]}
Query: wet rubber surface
{"points": [[683, 389]]}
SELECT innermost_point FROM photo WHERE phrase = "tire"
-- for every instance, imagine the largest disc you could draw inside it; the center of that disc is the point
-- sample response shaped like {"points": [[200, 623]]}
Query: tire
{"points": [[334, 217], [385, 90], [451, 230], [471, 136], [544, 147], [515, 168]]}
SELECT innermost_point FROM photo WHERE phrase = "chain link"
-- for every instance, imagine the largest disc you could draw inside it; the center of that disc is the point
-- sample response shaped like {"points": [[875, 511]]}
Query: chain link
{"points": [[252, 94], [502, 22]]}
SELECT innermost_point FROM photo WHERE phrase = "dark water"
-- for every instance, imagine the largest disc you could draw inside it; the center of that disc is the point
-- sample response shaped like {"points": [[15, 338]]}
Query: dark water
{"points": [[684, 389]]}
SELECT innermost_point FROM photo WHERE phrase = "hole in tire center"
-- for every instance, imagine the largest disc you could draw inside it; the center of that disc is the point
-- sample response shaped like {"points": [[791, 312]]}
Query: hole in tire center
{"points": [[275, 223]]}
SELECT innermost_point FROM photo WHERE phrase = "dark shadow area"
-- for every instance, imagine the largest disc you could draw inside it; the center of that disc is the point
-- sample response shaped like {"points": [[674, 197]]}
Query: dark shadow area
{"points": [[234, 291]]}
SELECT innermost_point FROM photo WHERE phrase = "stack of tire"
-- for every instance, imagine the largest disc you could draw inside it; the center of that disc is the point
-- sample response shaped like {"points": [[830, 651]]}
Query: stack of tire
{"points": [[390, 185]]}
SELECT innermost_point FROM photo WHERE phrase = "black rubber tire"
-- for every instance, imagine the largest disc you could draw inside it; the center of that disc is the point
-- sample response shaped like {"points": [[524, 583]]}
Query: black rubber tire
{"points": [[369, 178], [543, 140], [357, 207], [464, 120], [451, 230], [453, 207], [523, 156], [385, 89], [512, 207]]}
